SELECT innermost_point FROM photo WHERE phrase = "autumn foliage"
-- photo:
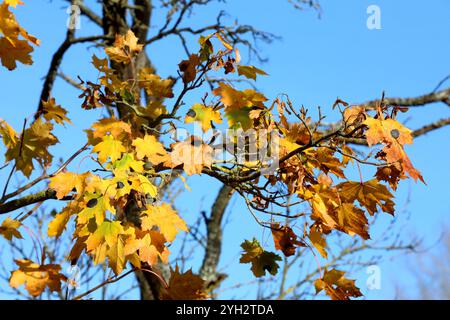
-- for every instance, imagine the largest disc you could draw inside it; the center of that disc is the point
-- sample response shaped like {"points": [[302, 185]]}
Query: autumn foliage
{"points": [[115, 212]]}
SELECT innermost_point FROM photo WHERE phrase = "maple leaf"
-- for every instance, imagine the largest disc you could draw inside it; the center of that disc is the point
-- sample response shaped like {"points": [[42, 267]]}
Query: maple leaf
{"points": [[184, 286], [193, 154], [285, 239], [188, 68], [153, 84], [329, 208], [151, 148], [8, 229], [337, 286], [109, 148], [250, 72], [37, 277], [165, 219], [324, 201], [108, 241], [318, 241], [64, 182], [94, 206], [203, 114], [324, 160], [11, 48], [120, 130], [11, 53], [390, 174], [34, 146], [354, 117], [9, 135], [142, 183], [128, 164], [239, 118], [386, 131], [9, 27], [239, 104], [125, 48], [370, 195], [59, 222], [394, 135], [235, 99], [116, 256], [260, 259], [151, 246], [52, 111], [352, 220]]}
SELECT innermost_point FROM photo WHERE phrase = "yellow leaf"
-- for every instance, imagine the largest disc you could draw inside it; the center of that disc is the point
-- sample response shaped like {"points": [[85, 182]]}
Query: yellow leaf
{"points": [[63, 183], [151, 148], [203, 114], [352, 220], [8, 229], [394, 135], [116, 256], [166, 219], [9, 135], [143, 185], [337, 286], [111, 126], [369, 194], [58, 224], [125, 48], [108, 241], [37, 139], [250, 72], [225, 44], [193, 154], [107, 231], [384, 131], [9, 27], [154, 86], [13, 3], [37, 277], [52, 111], [95, 206], [318, 242], [10, 54], [109, 148], [13, 49], [235, 99], [127, 163]]}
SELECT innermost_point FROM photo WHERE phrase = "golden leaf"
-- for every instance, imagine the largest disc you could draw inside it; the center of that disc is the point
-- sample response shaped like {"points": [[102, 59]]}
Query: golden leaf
{"points": [[8, 229], [203, 114], [37, 277], [125, 48], [166, 219], [337, 286]]}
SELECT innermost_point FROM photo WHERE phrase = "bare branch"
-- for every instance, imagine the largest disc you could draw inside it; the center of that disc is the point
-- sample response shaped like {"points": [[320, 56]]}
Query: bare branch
{"points": [[208, 270]]}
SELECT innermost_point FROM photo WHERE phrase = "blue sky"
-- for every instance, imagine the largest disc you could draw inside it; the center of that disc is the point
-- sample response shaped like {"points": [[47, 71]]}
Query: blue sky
{"points": [[316, 61]]}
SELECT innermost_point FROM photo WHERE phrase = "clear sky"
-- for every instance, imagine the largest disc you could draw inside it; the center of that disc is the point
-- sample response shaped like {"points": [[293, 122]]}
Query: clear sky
{"points": [[316, 61]]}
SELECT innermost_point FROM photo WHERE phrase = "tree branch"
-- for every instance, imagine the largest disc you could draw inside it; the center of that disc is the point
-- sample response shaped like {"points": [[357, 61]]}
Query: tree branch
{"points": [[438, 96], [208, 270], [56, 62], [29, 199]]}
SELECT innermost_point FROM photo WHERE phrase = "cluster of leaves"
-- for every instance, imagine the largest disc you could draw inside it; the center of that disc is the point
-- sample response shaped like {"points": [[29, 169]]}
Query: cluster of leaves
{"points": [[116, 209], [12, 47]]}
